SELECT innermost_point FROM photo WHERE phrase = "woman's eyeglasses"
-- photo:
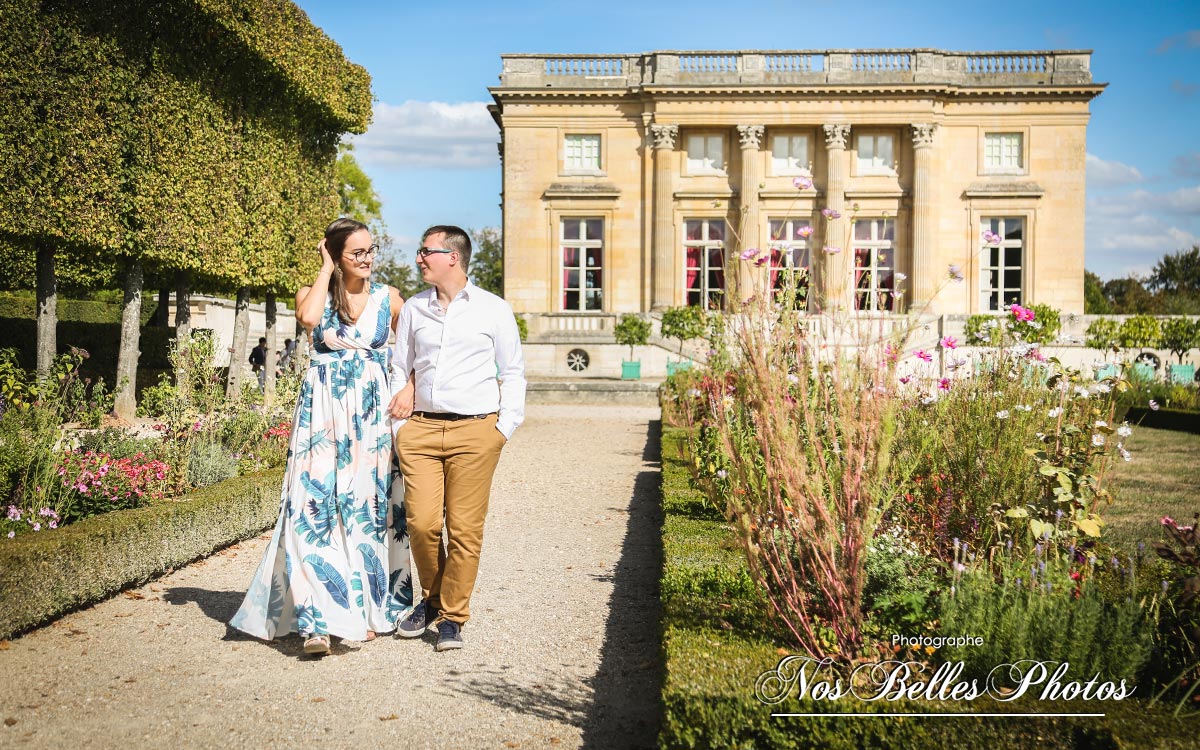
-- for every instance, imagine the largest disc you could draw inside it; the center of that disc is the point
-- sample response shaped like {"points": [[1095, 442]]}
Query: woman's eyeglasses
{"points": [[365, 255], [425, 252]]}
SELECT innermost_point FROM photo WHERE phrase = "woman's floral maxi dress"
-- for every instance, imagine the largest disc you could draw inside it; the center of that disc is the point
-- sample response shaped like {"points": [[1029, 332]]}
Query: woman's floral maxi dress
{"points": [[338, 562]]}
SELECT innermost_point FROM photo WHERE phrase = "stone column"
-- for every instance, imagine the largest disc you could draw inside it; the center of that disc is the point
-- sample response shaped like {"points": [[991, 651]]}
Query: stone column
{"points": [[922, 219], [751, 138], [664, 250], [836, 288]]}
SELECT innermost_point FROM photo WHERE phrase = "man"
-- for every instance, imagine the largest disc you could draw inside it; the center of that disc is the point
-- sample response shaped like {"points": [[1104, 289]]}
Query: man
{"points": [[461, 345], [285, 357], [258, 360]]}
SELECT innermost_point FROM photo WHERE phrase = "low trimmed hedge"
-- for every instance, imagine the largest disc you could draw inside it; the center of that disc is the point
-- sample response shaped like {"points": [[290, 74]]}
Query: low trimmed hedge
{"points": [[47, 574], [1178, 420], [717, 639]]}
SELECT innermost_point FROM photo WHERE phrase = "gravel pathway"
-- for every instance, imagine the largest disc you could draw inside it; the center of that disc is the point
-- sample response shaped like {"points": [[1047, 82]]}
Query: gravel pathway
{"points": [[562, 650]]}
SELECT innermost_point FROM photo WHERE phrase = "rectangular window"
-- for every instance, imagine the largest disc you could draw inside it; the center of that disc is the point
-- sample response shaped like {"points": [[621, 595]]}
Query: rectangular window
{"points": [[1001, 263], [789, 155], [705, 154], [1003, 151], [791, 258], [704, 262], [582, 264], [581, 153], [876, 153], [875, 264]]}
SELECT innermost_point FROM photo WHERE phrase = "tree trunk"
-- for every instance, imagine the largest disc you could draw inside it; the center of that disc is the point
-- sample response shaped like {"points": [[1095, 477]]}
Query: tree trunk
{"points": [[127, 360], [162, 314], [47, 310], [183, 306], [238, 354], [272, 345]]}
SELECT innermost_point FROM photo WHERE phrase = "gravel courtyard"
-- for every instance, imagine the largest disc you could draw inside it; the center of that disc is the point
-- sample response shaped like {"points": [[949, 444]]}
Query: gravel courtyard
{"points": [[562, 650]]}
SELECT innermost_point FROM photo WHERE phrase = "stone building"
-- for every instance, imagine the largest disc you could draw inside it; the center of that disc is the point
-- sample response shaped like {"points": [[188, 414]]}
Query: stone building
{"points": [[631, 183]]}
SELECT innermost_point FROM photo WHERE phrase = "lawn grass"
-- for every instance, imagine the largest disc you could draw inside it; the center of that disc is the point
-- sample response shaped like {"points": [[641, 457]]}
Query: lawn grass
{"points": [[1163, 479]]}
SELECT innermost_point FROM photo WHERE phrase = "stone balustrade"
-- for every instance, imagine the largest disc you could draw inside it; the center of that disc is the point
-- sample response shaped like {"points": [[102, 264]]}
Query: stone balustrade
{"points": [[798, 67]]}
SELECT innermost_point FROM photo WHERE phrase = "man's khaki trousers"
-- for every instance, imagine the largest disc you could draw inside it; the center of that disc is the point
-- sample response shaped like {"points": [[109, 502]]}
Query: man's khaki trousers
{"points": [[448, 468]]}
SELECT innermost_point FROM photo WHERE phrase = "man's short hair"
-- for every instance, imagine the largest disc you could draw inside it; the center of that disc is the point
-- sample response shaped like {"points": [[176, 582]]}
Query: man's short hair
{"points": [[455, 239], [262, 340]]}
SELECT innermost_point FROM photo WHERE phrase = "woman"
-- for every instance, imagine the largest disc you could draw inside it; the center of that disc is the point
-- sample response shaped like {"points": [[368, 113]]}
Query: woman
{"points": [[341, 521]]}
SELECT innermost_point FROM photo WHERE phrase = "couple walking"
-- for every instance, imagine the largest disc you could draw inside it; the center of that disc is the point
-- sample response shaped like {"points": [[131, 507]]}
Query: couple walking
{"points": [[386, 447]]}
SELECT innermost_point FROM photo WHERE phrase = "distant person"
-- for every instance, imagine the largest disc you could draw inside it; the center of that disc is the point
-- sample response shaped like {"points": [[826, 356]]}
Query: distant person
{"points": [[258, 362], [341, 526], [286, 357]]}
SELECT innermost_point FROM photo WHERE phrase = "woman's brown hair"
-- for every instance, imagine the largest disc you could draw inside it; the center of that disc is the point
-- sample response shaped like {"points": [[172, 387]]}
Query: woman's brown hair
{"points": [[336, 235]]}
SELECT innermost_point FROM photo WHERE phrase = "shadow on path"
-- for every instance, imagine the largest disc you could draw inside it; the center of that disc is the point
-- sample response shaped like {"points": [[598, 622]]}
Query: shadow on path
{"points": [[619, 708]]}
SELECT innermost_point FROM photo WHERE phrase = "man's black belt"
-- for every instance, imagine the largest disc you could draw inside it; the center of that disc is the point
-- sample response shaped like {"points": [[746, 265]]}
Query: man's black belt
{"points": [[448, 417]]}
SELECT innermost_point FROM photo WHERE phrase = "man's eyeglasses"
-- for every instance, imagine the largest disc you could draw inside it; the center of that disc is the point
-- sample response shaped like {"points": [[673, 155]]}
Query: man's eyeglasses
{"points": [[364, 255], [425, 252]]}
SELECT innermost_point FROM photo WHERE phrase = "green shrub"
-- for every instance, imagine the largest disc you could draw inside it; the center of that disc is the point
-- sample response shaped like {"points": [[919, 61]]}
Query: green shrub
{"points": [[210, 462], [1180, 335], [1046, 607], [1139, 332], [120, 443], [684, 323], [632, 330], [1102, 334]]}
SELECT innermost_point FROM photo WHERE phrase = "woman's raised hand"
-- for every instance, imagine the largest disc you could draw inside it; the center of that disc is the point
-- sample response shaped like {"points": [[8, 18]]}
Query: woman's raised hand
{"points": [[326, 261]]}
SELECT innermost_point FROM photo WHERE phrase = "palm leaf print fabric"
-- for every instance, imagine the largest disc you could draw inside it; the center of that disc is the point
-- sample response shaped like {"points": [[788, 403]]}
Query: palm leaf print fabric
{"points": [[341, 531]]}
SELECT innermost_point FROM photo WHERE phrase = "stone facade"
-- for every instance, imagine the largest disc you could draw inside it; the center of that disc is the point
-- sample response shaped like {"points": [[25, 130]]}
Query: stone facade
{"points": [[916, 149]]}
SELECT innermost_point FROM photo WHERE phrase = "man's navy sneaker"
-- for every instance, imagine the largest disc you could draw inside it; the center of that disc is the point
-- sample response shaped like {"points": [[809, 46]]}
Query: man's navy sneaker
{"points": [[417, 623], [449, 635]]}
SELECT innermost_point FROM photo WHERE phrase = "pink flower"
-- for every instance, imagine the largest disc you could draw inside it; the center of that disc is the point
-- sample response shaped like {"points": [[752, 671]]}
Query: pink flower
{"points": [[956, 273], [923, 355], [749, 253], [830, 213], [1153, 405], [906, 379], [761, 260], [802, 183], [1167, 521], [944, 384], [1021, 313], [949, 342], [37, 527], [991, 238], [805, 231], [832, 250], [54, 524]]}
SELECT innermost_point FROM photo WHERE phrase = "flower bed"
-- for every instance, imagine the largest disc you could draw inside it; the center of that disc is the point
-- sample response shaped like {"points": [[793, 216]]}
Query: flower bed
{"points": [[43, 576]]}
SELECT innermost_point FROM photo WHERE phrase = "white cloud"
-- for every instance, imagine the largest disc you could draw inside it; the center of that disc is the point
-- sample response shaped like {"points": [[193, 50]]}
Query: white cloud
{"points": [[439, 135], [1103, 173], [1129, 232]]}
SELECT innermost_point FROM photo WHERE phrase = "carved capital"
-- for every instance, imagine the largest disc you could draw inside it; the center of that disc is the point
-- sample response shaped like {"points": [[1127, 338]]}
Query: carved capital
{"points": [[922, 134], [751, 135], [664, 135], [837, 135]]}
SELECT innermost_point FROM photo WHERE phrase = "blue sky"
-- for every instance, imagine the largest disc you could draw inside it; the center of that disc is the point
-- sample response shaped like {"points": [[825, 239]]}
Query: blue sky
{"points": [[431, 149]]}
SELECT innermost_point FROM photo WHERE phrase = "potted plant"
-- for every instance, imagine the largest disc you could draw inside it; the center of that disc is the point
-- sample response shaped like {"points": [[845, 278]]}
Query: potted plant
{"points": [[1179, 336], [682, 323], [631, 331]]}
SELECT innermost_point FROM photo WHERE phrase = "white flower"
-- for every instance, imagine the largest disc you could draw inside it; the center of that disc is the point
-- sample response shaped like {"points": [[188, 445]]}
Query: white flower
{"points": [[727, 402], [1124, 430], [1101, 387], [928, 399], [1097, 440], [1101, 423], [1053, 413], [1082, 392], [1025, 408], [1124, 453], [1002, 414], [793, 378], [900, 276], [721, 474]]}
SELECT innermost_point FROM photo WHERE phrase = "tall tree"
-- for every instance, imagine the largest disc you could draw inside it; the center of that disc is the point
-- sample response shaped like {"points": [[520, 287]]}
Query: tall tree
{"points": [[356, 195], [487, 261], [1129, 296], [1094, 301], [1177, 273]]}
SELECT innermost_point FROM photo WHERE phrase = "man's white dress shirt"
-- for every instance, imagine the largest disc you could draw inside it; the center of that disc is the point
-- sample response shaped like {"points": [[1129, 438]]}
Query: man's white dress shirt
{"points": [[465, 358]]}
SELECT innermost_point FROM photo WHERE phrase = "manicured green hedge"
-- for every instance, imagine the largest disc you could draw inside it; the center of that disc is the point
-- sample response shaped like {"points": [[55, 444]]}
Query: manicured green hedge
{"points": [[47, 574], [716, 641], [1165, 419]]}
